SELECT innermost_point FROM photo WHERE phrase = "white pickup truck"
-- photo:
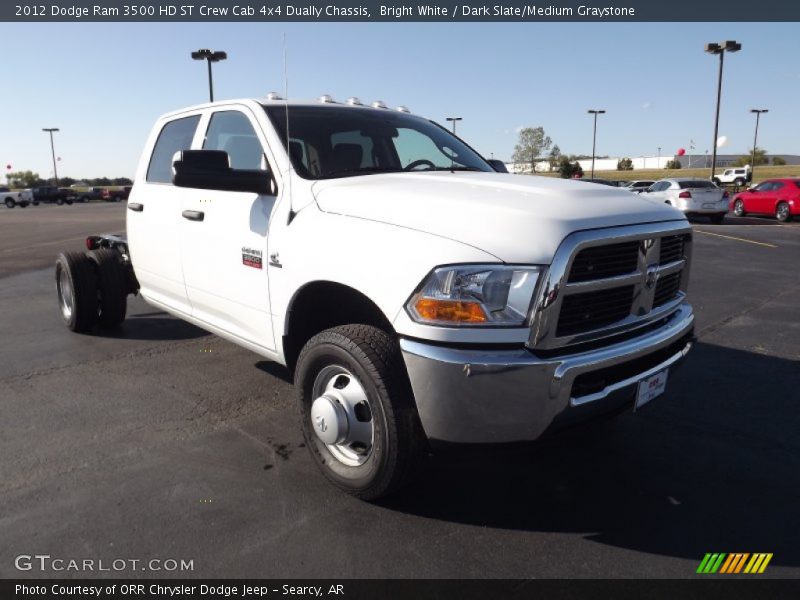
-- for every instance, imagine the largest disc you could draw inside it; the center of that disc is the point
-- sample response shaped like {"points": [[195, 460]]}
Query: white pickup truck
{"points": [[13, 198], [419, 296]]}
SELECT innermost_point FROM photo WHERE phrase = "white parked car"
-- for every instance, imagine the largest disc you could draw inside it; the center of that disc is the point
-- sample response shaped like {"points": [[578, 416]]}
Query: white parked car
{"points": [[418, 295], [638, 186], [692, 196]]}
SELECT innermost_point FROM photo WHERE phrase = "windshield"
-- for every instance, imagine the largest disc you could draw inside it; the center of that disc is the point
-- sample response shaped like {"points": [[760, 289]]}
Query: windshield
{"points": [[334, 141]]}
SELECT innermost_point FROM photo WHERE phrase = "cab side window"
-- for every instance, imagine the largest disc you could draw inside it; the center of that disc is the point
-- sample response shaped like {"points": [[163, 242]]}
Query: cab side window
{"points": [[232, 132], [175, 136]]}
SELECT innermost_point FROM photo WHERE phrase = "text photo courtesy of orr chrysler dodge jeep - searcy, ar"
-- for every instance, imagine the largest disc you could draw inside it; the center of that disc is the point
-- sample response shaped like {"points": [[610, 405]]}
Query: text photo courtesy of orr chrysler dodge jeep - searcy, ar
{"points": [[419, 296]]}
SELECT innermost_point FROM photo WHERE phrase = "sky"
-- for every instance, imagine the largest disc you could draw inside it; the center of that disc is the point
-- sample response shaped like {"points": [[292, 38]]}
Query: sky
{"points": [[104, 84]]}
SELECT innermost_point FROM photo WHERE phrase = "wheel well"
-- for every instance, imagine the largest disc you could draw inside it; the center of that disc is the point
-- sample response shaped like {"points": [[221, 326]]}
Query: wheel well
{"points": [[321, 305]]}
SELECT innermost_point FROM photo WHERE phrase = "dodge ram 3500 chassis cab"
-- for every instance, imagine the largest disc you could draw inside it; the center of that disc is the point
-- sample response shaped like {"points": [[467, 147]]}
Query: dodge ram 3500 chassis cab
{"points": [[418, 295]]}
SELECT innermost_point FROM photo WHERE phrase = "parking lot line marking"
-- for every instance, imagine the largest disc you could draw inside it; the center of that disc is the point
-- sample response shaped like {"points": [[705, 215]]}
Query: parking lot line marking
{"points": [[738, 239]]}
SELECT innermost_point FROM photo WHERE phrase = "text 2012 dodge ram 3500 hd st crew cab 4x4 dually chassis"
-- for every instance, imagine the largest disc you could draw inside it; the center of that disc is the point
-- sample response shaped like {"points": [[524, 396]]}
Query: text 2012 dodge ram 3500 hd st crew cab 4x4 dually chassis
{"points": [[416, 294]]}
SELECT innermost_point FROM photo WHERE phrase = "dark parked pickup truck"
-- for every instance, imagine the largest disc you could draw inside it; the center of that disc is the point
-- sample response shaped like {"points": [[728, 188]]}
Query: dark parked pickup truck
{"points": [[51, 194]]}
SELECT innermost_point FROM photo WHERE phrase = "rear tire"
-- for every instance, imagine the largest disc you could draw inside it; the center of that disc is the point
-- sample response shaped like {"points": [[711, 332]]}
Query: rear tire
{"points": [[738, 208], [76, 285], [111, 286], [366, 361], [782, 212], [739, 182], [717, 219], [10, 203]]}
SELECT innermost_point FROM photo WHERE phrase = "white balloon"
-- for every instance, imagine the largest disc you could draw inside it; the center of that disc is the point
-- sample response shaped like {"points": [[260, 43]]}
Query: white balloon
{"points": [[722, 141]]}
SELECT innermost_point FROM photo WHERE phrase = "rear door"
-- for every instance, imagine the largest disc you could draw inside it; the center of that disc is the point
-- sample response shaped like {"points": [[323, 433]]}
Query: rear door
{"points": [[153, 216], [223, 236]]}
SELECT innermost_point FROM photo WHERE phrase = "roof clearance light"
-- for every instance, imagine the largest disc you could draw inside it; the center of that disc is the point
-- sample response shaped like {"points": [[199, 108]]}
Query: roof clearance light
{"points": [[379, 104], [274, 96], [403, 109], [327, 99], [353, 101]]}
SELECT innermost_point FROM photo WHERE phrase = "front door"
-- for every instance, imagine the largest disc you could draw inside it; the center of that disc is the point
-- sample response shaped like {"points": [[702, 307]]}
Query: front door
{"points": [[224, 238]]}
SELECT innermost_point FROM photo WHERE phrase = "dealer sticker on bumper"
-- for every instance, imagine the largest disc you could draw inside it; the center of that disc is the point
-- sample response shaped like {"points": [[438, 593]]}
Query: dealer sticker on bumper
{"points": [[650, 388]]}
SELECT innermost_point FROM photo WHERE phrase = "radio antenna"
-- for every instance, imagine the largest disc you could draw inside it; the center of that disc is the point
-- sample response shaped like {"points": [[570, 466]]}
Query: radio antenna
{"points": [[288, 138]]}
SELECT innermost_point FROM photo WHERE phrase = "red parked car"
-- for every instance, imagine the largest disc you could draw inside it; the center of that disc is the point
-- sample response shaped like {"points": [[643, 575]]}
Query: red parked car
{"points": [[779, 197]]}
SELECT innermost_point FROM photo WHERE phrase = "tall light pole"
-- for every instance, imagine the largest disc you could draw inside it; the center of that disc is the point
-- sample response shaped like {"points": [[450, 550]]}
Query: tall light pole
{"points": [[211, 57], [594, 133], [758, 112], [50, 130], [454, 120], [721, 49], [658, 162]]}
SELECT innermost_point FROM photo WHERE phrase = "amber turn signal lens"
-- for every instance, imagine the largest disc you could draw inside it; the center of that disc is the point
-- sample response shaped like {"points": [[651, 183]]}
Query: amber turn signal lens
{"points": [[430, 309]]}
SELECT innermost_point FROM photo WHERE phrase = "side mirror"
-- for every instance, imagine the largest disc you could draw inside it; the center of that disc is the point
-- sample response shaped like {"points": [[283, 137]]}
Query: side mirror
{"points": [[210, 170], [498, 165]]}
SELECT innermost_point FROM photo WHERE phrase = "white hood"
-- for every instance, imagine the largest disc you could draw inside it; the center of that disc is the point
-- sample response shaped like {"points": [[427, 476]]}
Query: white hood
{"points": [[517, 218]]}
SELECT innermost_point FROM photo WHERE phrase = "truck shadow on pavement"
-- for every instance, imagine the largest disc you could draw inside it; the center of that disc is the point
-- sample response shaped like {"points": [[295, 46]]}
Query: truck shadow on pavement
{"points": [[156, 326], [712, 467]]}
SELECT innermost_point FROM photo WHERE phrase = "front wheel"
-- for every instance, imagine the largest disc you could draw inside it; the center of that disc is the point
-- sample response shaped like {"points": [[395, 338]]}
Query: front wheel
{"points": [[10, 203], [59, 201], [738, 208], [357, 410], [782, 212]]}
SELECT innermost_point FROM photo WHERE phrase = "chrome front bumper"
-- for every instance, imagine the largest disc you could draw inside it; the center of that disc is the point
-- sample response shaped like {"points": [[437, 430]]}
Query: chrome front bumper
{"points": [[498, 396]]}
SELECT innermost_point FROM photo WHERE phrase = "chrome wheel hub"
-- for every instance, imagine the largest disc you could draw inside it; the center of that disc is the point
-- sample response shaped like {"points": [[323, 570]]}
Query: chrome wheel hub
{"points": [[66, 295], [341, 416]]}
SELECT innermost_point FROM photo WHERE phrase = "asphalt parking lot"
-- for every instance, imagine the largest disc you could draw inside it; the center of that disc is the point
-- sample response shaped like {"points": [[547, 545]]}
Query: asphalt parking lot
{"points": [[162, 441]]}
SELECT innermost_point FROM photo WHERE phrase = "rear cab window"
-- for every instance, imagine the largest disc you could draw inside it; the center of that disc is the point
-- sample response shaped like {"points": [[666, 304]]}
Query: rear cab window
{"points": [[175, 136]]}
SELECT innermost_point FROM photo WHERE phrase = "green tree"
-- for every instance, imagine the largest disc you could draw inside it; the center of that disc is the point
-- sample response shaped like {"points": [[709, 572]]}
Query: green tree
{"points": [[760, 159], [66, 181], [569, 169], [23, 179], [673, 164], [554, 157], [531, 145], [625, 164], [778, 161]]}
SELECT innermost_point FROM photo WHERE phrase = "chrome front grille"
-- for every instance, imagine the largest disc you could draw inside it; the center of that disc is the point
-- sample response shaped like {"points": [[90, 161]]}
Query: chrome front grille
{"points": [[604, 261], [590, 310], [610, 281], [672, 248]]}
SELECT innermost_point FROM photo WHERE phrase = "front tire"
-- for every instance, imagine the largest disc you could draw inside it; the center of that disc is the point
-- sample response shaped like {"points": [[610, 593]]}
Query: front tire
{"points": [[782, 212], [357, 410], [76, 285], [111, 286], [10, 203], [59, 201], [738, 208]]}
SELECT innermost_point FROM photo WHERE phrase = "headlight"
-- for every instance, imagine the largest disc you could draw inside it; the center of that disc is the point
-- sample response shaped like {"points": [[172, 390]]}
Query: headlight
{"points": [[475, 295]]}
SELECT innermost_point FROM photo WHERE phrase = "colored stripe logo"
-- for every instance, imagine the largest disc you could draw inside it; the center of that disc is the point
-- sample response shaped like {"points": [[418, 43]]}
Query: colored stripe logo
{"points": [[734, 563]]}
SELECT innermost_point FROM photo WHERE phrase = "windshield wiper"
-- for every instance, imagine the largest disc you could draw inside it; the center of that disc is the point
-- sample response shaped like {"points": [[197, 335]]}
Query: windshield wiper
{"points": [[359, 171]]}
